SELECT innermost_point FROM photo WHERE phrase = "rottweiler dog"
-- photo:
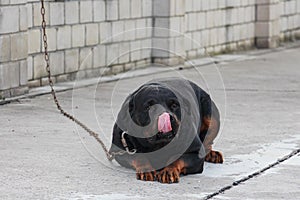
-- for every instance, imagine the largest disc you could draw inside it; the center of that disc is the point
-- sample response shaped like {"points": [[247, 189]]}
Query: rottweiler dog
{"points": [[169, 125]]}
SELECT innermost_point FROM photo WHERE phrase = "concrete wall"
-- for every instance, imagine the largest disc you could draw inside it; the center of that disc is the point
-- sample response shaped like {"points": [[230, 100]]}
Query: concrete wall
{"points": [[92, 37], [13, 48], [289, 19], [85, 36], [201, 27], [219, 26], [277, 20]]}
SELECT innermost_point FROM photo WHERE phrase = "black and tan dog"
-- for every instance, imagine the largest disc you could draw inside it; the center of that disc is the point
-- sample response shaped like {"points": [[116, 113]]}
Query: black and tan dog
{"points": [[170, 124]]}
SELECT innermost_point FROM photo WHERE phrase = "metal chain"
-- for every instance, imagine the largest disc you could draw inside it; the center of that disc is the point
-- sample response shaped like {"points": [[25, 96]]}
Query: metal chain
{"points": [[110, 156], [253, 175]]}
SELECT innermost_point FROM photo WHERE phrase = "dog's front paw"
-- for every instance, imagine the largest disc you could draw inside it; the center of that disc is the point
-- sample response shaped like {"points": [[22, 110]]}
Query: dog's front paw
{"points": [[214, 157], [170, 174], [146, 176], [144, 171]]}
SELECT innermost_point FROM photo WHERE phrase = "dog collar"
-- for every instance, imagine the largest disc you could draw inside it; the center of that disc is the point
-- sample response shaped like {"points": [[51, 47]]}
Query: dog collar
{"points": [[124, 143]]}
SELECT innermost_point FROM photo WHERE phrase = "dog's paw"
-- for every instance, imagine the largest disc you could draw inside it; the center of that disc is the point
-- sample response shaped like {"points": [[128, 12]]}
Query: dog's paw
{"points": [[214, 157], [146, 176], [144, 171], [169, 175]]}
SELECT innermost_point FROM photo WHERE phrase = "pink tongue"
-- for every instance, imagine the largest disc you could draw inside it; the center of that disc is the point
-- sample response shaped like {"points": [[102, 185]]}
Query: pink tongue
{"points": [[164, 123]]}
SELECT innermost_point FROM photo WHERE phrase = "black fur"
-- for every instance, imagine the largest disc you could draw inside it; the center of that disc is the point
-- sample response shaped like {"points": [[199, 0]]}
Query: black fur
{"points": [[139, 104]]}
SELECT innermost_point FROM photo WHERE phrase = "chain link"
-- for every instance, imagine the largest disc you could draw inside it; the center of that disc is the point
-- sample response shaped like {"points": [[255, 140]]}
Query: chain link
{"points": [[110, 156]]}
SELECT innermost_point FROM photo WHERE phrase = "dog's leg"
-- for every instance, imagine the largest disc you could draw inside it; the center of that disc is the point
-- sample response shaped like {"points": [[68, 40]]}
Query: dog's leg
{"points": [[211, 126]]}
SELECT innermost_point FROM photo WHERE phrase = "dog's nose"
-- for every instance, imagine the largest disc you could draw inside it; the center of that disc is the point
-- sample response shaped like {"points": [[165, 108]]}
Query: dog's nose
{"points": [[164, 123]]}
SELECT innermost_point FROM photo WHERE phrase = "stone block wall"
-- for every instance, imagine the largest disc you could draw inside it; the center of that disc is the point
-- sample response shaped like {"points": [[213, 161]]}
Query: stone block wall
{"points": [[277, 20], [86, 36], [289, 19], [13, 48], [200, 27], [89, 38], [216, 26]]}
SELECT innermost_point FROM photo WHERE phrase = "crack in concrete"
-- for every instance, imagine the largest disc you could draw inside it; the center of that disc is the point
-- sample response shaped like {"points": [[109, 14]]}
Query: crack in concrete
{"points": [[253, 175]]}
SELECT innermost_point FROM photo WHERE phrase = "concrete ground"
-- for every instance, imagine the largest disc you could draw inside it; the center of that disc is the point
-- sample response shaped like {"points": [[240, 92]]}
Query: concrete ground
{"points": [[45, 156]]}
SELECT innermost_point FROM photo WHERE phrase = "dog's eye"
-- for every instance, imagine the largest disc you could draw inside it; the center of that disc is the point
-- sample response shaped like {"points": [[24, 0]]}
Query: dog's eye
{"points": [[174, 106]]}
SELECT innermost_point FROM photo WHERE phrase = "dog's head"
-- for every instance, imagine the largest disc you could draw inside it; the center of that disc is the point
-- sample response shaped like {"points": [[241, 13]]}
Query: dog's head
{"points": [[156, 108]]}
